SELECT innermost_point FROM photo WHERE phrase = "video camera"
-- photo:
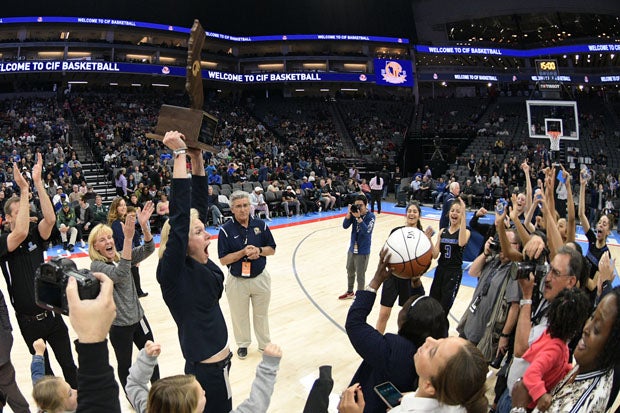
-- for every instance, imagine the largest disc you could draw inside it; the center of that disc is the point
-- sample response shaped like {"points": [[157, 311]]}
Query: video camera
{"points": [[50, 284]]}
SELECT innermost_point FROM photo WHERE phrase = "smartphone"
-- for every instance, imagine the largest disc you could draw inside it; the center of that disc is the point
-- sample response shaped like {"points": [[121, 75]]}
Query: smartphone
{"points": [[389, 394], [431, 228], [561, 177]]}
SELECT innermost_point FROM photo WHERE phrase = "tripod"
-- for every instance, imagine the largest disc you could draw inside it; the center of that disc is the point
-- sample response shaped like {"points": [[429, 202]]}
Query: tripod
{"points": [[437, 154]]}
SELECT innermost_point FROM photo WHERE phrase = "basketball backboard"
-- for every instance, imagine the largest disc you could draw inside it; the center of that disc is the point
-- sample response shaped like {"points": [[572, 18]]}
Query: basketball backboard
{"points": [[544, 116]]}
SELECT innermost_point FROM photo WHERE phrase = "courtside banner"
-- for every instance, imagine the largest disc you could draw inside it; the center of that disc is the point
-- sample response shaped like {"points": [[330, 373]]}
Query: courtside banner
{"points": [[393, 72]]}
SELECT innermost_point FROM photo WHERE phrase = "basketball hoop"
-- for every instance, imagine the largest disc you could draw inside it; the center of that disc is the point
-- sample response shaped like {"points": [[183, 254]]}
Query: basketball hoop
{"points": [[554, 137]]}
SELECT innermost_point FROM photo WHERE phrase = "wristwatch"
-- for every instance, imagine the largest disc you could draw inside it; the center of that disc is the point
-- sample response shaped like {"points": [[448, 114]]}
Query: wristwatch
{"points": [[180, 151]]}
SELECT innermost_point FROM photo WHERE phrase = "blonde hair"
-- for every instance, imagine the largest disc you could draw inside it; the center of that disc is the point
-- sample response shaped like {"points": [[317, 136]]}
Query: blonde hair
{"points": [[99, 230], [174, 394], [165, 231], [46, 394]]}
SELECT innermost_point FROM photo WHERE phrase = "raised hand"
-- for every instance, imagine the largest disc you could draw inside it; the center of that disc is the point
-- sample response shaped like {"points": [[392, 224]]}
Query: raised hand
{"points": [[174, 140], [91, 319], [37, 169], [19, 178], [39, 347], [152, 349], [129, 227], [145, 213]]}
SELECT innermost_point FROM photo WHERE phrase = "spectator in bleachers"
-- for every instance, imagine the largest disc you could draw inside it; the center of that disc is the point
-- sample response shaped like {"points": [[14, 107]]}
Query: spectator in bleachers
{"points": [[163, 208], [100, 211], [120, 182], [467, 193], [438, 193], [214, 208], [289, 198], [66, 223], [74, 196], [257, 203], [84, 217]]}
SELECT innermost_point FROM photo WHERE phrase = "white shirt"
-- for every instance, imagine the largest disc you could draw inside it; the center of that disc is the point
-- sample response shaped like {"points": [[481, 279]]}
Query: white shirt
{"points": [[411, 403], [376, 185]]}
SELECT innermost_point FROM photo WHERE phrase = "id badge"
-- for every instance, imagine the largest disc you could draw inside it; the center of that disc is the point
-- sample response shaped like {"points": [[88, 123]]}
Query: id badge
{"points": [[246, 268]]}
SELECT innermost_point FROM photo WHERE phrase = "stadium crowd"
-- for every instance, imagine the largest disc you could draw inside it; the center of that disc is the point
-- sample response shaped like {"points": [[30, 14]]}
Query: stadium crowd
{"points": [[529, 306]]}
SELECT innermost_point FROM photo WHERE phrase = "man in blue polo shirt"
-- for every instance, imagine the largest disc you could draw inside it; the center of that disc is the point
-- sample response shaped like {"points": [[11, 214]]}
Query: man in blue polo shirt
{"points": [[242, 246]]}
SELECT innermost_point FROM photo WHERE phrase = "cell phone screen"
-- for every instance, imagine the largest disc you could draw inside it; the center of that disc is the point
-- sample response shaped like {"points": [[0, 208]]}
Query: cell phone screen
{"points": [[561, 177], [389, 394]]}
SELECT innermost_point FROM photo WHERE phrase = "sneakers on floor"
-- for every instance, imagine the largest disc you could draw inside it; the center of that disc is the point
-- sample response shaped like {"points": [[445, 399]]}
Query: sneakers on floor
{"points": [[347, 296], [242, 352]]}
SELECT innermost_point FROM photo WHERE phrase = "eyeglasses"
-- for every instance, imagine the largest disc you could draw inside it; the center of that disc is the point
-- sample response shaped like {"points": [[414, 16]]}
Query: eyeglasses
{"points": [[555, 273]]}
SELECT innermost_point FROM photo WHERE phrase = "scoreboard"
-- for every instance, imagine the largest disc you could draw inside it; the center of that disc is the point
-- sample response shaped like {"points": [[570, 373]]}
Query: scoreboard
{"points": [[547, 71]]}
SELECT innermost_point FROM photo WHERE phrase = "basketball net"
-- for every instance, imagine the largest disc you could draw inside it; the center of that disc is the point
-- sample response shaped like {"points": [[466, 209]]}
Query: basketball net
{"points": [[554, 137]]}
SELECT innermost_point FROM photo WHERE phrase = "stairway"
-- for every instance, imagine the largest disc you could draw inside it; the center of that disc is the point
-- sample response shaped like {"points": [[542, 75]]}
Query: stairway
{"points": [[342, 131], [91, 169]]}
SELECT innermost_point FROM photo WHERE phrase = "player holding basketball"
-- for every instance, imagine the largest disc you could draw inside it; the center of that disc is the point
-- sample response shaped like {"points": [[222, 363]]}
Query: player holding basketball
{"points": [[451, 242], [394, 287]]}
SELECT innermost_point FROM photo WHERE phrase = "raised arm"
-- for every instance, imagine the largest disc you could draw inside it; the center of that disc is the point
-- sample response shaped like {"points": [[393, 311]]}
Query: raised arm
{"points": [[528, 184], [176, 142], [47, 209], [22, 221], [143, 219], [570, 207], [527, 220], [582, 203], [524, 235], [506, 246], [475, 269]]}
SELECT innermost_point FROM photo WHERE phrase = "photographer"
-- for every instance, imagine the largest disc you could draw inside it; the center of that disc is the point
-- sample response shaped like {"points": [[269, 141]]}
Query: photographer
{"points": [[91, 321], [362, 222], [495, 301], [563, 273]]}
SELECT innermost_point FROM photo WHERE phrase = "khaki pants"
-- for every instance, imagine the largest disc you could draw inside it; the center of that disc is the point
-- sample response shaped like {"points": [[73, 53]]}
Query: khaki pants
{"points": [[240, 291], [356, 268]]}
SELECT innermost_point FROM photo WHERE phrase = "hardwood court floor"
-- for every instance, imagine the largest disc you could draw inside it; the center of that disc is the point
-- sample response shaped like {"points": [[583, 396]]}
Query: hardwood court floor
{"points": [[306, 318]]}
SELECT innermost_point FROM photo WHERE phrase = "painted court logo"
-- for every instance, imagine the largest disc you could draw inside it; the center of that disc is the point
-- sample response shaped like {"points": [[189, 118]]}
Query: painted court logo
{"points": [[393, 73]]}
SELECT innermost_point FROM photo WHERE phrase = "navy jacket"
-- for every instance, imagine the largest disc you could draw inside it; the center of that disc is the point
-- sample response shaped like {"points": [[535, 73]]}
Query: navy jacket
{"points": [[386, 357]]}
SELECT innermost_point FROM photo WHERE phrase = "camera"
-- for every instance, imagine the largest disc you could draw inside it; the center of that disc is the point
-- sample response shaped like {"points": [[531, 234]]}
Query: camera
{"points": [[494, 245], [50, 283], [522, 270], [354, 209]]}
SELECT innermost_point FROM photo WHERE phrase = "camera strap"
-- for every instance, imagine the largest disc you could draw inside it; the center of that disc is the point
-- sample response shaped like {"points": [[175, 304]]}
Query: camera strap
{"points": [[541, 311]]}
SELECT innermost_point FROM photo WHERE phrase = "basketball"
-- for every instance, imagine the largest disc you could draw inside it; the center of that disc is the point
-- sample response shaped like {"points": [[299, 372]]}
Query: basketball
{"points": [[410, 252]]}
